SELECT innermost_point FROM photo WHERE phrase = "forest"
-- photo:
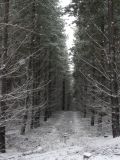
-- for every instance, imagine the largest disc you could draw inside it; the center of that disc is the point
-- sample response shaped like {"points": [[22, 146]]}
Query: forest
{"points": [[49, 111]]}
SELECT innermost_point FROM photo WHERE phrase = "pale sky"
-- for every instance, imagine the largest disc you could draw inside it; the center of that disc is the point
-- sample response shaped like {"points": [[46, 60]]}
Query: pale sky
{"points": [[69, 27]]}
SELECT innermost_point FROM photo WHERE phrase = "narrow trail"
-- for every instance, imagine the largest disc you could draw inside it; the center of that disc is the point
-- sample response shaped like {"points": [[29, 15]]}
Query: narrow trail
{"points": [[66, 136]]}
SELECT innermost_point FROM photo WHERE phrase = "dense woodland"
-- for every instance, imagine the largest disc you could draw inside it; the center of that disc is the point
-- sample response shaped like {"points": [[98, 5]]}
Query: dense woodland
{"points": [[96, 59], [34, 68], [35, 76]]}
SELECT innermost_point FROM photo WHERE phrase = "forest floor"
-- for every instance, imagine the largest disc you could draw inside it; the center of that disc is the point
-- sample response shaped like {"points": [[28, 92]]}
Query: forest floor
{"points": [[66, 136]]}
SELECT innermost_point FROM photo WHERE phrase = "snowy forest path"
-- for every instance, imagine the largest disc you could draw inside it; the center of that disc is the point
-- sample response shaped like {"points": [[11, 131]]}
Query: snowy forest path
{"points": [[61, 137], [65, 136]]}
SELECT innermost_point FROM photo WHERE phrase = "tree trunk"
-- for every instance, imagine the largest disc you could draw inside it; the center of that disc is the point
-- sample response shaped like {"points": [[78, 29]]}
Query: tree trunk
{"points": [[85, 111], [48, 87], [4, 79], [102, 78], [100, 117], [25, 116], [46, 115], [63, 100], [93, 118], [32, 63], [113, 74], [85, 97], [93, 97]]}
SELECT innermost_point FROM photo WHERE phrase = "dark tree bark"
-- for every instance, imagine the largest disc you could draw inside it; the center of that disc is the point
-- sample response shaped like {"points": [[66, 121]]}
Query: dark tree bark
{"points": [[85, 111], [102, 78], [93, 97], [32, 64], [93, 117], [24, 123], [51, 85], [4, 79], [85, 105], [48, 88], [100, 117], [27, 101], [63, 99], [113, 74]]}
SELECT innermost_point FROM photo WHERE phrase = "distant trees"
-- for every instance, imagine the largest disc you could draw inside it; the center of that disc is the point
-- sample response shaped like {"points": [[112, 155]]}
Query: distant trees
{"points": [[96, 58], [33, 61]]}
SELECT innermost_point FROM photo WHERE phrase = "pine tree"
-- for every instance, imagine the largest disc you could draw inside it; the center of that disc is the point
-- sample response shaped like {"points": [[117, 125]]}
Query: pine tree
{"points": [[97, 28], [36, 63]]}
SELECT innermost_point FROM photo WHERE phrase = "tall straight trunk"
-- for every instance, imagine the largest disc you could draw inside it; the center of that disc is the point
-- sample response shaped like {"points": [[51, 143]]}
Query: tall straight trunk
{"points": [[37, 94], [93, 99], [100, 119], [63, 99], [85, 105], [85, 111], [32, 62], [102, 78], [69, 101], [93, 117], [48, 88], [113, 74], [25, 116], [4, 79]]}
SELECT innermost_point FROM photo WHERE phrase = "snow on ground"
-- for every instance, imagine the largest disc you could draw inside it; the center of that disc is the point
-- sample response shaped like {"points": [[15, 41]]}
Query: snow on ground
{"points": [[66, 136]]}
